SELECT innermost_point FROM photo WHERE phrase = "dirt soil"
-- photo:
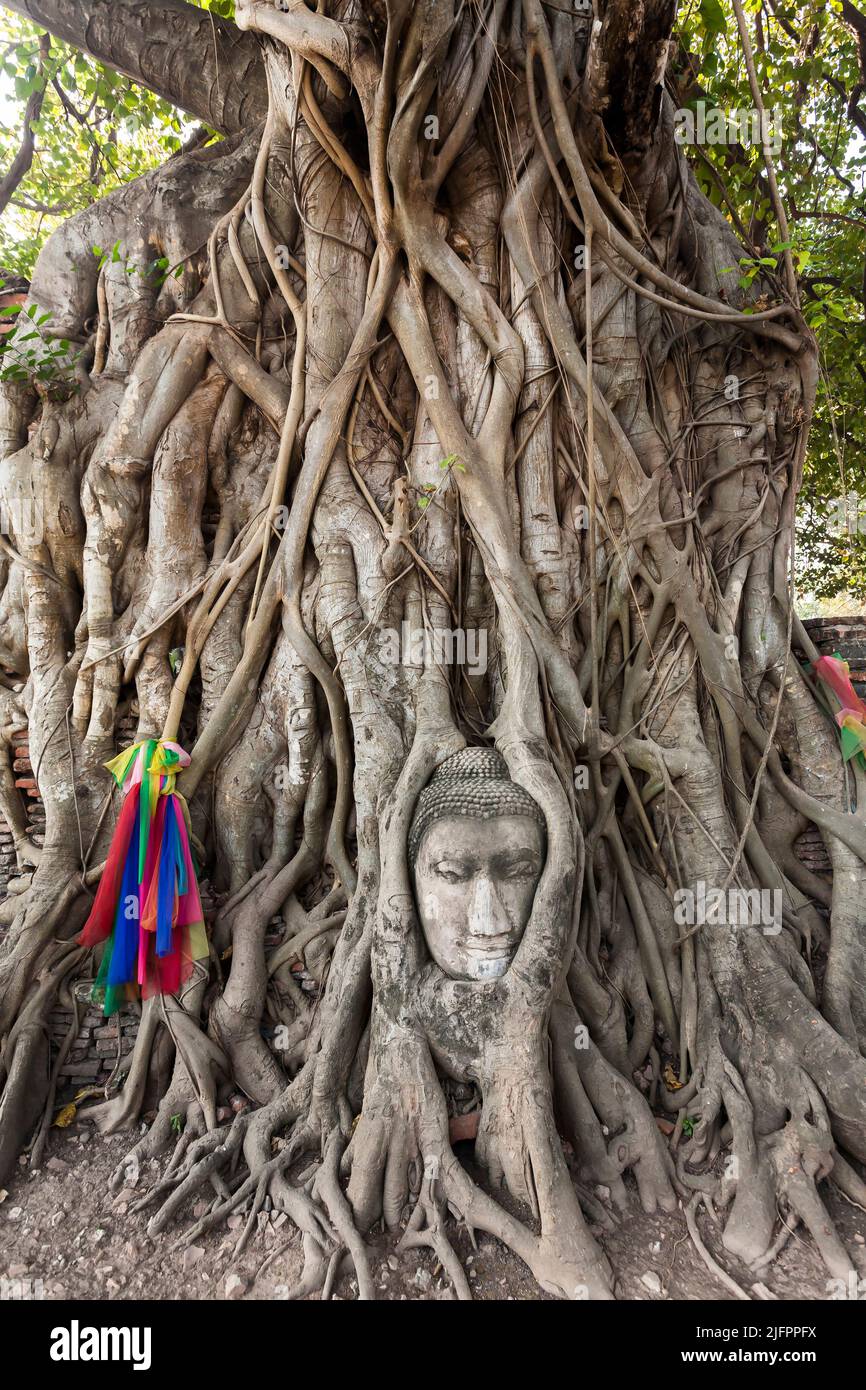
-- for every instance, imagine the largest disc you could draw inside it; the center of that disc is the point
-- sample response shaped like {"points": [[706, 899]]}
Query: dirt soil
{"points": [[61, 1230]]}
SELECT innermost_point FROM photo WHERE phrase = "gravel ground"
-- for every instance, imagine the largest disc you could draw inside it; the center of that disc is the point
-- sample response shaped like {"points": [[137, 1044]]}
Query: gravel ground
{"points": [[61, 1230]]}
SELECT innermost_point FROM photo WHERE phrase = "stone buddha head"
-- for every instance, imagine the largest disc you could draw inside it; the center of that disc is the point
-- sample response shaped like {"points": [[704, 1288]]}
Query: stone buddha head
{"points": [[476, 851]]}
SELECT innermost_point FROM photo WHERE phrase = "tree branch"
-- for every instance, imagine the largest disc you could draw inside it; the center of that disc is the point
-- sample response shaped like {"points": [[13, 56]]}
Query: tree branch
{"points": [[24, 158], [193, 58]]}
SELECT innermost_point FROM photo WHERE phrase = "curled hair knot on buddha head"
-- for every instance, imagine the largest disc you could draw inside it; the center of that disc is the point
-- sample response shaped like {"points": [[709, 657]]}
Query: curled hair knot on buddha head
{"points": [[476, 783]]}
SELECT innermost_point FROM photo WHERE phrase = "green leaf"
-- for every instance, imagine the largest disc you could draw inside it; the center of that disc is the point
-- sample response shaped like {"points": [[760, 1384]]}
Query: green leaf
{"points": [[713, 17]]}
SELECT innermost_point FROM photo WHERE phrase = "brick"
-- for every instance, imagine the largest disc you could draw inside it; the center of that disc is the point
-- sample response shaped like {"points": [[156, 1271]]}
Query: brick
{"points": [[25, 783], [463, 1126]]}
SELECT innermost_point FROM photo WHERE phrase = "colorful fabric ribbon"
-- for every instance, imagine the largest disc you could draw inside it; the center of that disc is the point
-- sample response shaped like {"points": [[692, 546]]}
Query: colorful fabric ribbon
{"points": [[851, 718], [147, 907]]}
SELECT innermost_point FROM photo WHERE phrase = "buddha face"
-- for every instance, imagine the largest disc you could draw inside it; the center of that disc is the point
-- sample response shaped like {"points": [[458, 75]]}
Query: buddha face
{"points": [[475, 880]]}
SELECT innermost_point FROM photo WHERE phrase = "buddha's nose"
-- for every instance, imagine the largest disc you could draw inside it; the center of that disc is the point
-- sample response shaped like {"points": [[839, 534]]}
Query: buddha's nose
{"points": [[487, 914]]}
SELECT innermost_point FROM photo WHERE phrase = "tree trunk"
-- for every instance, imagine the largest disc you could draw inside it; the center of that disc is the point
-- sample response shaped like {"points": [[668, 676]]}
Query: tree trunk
{"points": [[191, 57], [451, 436]]}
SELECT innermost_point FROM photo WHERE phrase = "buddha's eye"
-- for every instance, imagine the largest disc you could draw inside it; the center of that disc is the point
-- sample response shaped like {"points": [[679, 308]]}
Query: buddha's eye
{"points": [[519, 869], [453, 871]]}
